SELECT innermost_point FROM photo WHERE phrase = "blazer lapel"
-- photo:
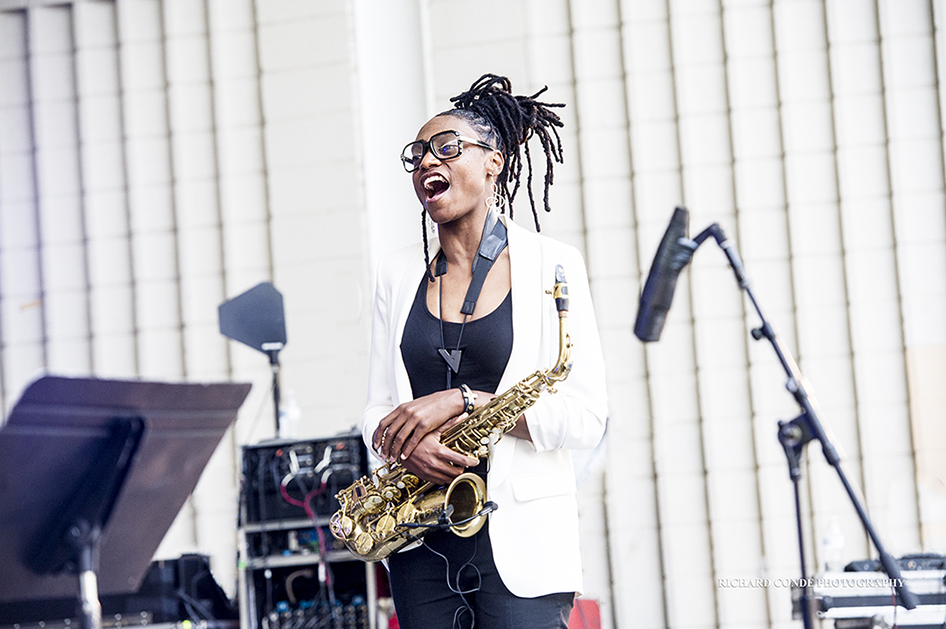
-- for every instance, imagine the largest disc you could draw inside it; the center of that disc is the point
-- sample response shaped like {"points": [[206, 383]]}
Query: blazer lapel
{"points": [[525, 262]]}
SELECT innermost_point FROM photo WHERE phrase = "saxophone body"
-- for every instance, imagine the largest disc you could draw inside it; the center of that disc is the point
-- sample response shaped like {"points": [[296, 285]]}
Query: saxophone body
{"points": [[384, 511]]}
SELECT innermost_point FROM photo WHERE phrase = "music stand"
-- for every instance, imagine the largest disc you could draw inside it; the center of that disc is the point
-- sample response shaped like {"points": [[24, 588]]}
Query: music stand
{"points": [[92, 474]]}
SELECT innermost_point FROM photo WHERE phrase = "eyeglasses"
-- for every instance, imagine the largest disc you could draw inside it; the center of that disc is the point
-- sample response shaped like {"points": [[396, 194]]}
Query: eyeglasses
{"points": [[444, 145]]}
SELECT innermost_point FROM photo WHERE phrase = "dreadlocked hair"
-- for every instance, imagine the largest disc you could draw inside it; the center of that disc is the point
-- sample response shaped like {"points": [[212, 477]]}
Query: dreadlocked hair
{"points": [[423, 227], [510, 122]]}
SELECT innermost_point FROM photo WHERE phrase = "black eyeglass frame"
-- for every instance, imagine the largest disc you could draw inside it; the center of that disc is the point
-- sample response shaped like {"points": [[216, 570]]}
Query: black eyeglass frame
{"points": [[408, 163]]}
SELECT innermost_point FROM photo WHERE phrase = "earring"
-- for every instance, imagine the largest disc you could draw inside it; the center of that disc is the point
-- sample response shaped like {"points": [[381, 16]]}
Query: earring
{"points": [[497, 201]]}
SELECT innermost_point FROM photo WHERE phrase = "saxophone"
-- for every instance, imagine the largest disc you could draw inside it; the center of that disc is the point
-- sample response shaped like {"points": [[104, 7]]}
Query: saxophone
{"points": [[382, 512]]}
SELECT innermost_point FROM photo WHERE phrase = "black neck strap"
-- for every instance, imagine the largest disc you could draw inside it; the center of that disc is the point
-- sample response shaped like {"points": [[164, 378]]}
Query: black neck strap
{"points": [[492, 243]]}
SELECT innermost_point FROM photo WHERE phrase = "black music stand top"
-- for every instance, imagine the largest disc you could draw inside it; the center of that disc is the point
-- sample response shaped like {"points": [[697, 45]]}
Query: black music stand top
{"points": [[58, 425]]}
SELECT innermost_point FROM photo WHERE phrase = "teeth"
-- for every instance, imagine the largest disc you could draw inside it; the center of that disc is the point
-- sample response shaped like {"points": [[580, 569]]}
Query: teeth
{"points": [[429, 181]]}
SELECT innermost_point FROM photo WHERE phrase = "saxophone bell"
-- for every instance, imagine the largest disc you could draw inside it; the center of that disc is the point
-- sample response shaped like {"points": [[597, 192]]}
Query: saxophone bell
{"points": [[463, 500], [467, 496]]}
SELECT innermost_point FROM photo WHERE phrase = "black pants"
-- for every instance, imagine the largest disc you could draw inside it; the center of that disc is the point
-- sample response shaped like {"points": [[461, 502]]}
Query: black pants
{"points": [[452, 583]]}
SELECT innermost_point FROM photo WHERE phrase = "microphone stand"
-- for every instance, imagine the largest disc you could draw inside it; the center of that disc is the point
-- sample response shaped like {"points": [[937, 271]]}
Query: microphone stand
{"points": [[272, 350], [795, 434]]}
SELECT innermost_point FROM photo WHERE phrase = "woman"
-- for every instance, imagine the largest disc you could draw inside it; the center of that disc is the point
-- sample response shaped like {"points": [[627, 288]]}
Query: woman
{"points": [[439, 348]]}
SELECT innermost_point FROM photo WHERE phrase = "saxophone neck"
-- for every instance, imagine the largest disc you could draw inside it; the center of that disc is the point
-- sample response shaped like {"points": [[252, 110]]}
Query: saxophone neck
{"points": [[564, 363], [560, 292]]}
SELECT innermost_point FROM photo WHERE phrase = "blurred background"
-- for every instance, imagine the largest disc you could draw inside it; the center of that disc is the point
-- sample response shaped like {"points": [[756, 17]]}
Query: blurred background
{"points": [[159, 157]]}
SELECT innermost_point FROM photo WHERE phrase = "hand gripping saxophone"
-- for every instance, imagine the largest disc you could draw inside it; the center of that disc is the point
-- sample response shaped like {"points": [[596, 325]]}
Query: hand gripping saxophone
{"points": [[381, 513]]}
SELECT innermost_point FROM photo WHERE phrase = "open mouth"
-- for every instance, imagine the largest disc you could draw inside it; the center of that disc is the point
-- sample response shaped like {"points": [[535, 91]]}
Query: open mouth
{"points": [[435, 185]]}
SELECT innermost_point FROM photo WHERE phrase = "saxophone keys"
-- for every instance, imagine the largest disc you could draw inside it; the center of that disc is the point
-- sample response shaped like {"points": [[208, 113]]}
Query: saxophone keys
{"points": [[407, 512], [337, 525], [374, 503], [363, 543], [409, 483], [345, 526], [384, 526]]}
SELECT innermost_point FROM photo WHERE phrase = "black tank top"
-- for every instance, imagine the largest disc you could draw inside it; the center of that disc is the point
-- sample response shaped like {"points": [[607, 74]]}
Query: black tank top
{"points": [[486, 345]]}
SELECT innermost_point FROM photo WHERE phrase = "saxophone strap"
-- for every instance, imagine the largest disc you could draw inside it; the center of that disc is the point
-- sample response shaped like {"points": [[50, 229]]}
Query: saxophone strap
{"points": [[492, 243]]}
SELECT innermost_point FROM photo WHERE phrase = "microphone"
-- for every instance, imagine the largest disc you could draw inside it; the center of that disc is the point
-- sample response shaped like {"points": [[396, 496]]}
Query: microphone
{"points": [[674, 253], [488, 507], [444, 518]]}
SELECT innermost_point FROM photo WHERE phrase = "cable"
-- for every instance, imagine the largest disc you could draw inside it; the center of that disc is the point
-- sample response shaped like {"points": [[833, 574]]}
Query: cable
{"points": [[284, 491], [306, 572], [306, 504], [466, 607], [326, 459]]}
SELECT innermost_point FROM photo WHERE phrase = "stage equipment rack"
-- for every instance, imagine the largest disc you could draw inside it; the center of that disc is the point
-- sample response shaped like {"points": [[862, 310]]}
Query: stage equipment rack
{"points": [[292, 571]]}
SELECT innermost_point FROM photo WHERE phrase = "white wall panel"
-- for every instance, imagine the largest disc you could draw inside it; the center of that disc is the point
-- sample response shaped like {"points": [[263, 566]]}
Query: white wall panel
{"points": [[914, 128], [160, 156], [870, 268], [243, 213], [58, 174], [21, 308], [149, 173], [196, 204], [111, 307], [763, 239], [305, 42]]}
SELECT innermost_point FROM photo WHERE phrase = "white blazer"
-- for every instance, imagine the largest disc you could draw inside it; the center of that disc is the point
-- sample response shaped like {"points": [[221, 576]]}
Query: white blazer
{"points": [[534, 532]]}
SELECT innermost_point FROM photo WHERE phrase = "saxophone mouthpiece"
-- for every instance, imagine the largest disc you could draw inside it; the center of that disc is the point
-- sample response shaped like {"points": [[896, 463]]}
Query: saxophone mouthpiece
{"points": [[560, 291]]}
